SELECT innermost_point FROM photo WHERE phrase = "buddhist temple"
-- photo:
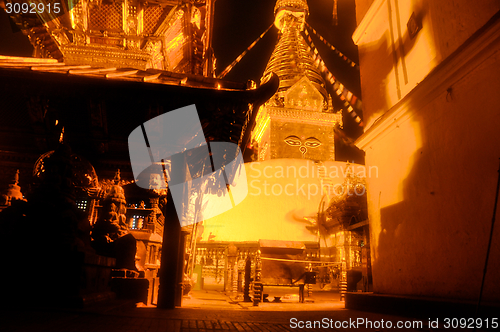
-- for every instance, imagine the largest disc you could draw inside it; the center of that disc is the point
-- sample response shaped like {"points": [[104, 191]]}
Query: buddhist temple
{"points": [[396, 215], [113, 67], [99, 71], [299, 197]]}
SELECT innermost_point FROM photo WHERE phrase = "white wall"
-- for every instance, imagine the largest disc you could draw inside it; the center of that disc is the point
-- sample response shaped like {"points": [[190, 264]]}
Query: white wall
{"points": [[437, 148]]}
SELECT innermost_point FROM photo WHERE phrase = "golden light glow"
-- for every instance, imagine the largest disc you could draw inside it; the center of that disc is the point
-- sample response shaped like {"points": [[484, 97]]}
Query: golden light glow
{"points": [[7, 59], [196, 17], [304, 95], [61, 136], [285, 191], [261, 123], [265, 125], [387, 189], [175, 42]]}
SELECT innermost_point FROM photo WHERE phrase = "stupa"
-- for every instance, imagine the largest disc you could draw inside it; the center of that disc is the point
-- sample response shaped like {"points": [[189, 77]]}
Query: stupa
{"points": [[13, 192], [298, 121]]}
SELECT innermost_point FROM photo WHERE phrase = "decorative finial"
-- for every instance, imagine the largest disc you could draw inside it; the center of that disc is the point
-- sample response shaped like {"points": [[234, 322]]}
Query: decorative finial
{"points": [[117, 178], [12, 193], [61, 137], [296, 4]]}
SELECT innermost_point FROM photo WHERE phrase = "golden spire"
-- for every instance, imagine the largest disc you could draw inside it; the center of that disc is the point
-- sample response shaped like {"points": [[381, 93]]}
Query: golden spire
{"points": [[297, 121], [295, 4], [291, 60]]}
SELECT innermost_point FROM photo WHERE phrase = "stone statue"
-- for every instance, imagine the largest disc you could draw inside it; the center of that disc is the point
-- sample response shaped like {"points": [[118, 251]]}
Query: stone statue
{"points": [[110, 232]]}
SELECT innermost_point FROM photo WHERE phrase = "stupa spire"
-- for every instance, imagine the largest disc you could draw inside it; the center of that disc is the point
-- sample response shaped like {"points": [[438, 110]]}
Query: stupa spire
{"points": [[291, 59], [300, 5], [298, 121]]}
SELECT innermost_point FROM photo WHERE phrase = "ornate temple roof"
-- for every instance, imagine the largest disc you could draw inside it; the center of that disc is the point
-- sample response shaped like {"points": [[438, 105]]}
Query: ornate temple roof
{"points": [[100, 106], [163, 77], [173, 35]]}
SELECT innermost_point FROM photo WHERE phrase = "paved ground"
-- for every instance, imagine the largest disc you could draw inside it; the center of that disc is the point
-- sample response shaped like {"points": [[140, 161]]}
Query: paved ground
{"points": [[207, 311]]}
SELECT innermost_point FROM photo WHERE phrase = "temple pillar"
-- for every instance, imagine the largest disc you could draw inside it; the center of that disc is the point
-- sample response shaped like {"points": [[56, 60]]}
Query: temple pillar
{"points": [[180, 269], [172, 258]]}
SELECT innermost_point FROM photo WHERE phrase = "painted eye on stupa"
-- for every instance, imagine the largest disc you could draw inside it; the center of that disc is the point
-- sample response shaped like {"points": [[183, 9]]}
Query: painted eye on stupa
{"points": [[293, 140], [312, 142]]}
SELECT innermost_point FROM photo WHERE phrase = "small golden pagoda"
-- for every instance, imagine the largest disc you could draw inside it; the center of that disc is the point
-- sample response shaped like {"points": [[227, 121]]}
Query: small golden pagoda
{"points": [[171, 35], [298, 121]]}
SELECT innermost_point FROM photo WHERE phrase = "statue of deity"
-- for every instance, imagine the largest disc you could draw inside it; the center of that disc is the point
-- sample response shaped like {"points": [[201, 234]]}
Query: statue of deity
{"points": [[110, 232]]}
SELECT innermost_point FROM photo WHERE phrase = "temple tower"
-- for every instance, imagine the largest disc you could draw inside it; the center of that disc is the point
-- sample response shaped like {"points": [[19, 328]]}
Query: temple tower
{"points": [[298, 120]]}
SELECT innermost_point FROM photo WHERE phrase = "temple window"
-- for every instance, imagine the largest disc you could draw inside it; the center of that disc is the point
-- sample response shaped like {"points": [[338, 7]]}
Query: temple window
{"points": [[82, 204], [136, 222]]}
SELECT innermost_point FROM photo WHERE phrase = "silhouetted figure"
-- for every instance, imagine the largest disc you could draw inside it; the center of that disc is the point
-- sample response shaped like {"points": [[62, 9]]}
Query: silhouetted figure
{"points": [[44, 240]]}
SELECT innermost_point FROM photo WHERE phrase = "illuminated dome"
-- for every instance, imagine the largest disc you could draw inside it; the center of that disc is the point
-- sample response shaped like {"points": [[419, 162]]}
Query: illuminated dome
{"points": [[84, 175]]}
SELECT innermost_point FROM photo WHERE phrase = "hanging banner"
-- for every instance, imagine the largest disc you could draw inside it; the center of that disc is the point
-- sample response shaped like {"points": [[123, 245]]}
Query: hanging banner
{"points": [[333, 48], [238, 59], [348, 99]]}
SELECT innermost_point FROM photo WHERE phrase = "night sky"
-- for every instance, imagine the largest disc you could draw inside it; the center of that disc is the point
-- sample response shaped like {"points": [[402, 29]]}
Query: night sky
{"points": [[238, 23]]}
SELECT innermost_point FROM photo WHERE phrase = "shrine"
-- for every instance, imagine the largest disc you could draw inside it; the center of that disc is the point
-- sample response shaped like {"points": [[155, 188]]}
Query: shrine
{"points": [[102, 69], [97, 121], [385, 205], [305, 211]]}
